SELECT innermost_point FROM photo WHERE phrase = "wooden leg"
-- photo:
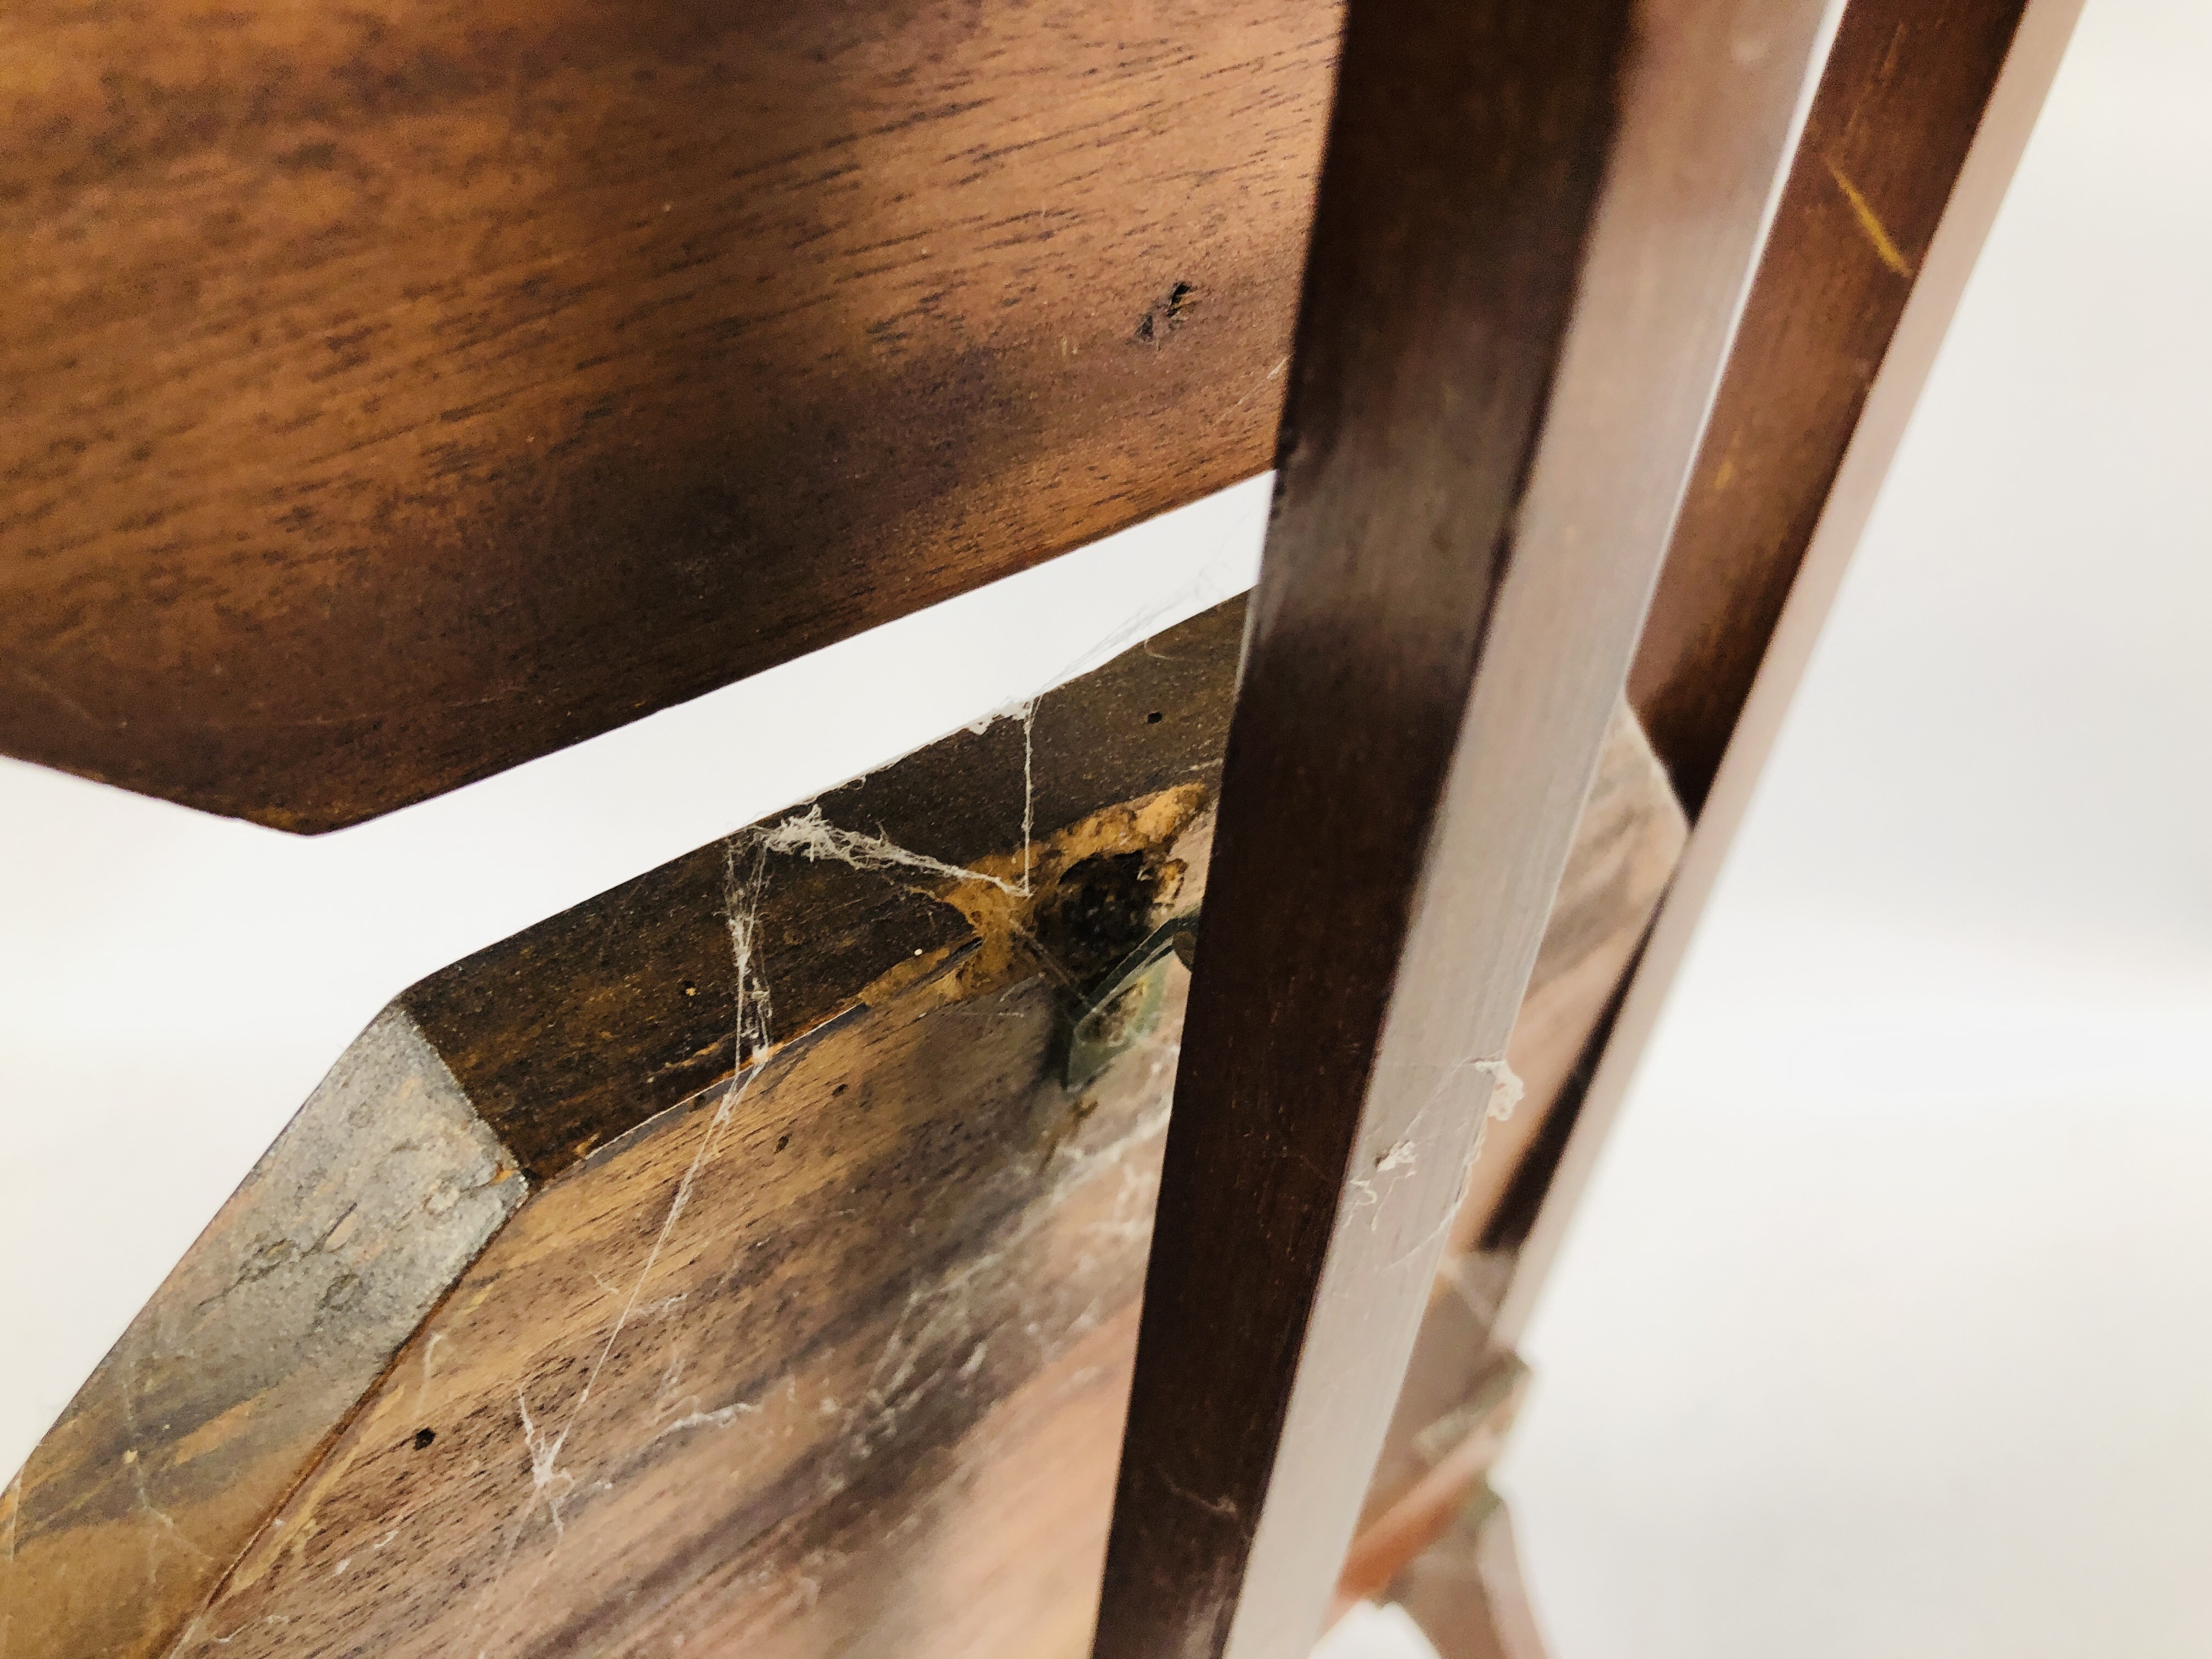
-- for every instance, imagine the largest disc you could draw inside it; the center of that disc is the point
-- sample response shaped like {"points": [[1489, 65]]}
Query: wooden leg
{"points": [[1530, 246], [1465, 1590], [1900, 100], [1738, 725]]}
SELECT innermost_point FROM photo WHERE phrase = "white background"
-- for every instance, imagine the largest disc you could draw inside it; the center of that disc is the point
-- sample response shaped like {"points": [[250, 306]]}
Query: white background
{"points": [[1886, 1327], [1887, 1330]]}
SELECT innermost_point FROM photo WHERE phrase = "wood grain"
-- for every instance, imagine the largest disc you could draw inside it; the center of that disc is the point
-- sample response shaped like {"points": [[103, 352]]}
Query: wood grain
{"points": [[389, 395], [1626, 843], [1424, 356], [2002, 131], [573, 1032], [1899, 102], [1446, 610]]}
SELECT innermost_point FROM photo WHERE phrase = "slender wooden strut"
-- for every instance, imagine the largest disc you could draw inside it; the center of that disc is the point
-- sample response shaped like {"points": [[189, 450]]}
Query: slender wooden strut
{"points": [[2006, 100], [1534, 229], [1899, 103], [1900, 100]]}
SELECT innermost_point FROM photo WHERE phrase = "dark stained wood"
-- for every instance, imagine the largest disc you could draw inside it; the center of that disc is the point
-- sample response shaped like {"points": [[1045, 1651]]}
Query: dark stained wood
{"points": [[391, 394], [2002, 127], [1445, 613], [1436, 298], [1626, 846], [1900, 96], [1897, 104]]}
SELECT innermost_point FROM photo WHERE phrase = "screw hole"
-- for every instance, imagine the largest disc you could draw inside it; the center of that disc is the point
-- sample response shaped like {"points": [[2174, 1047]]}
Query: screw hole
{"points": [[423, 1437]]}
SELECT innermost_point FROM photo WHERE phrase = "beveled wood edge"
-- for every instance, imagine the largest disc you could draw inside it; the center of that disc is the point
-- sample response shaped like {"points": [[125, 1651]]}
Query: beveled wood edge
{"points": [[1626, 847], [666, 1019], [2006, 124], [411, 471], [280, 1317], [1567, 1000]]}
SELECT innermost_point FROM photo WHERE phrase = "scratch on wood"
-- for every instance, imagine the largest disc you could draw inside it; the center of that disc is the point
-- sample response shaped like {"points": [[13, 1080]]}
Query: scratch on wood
{"points": [[1877, 234]]}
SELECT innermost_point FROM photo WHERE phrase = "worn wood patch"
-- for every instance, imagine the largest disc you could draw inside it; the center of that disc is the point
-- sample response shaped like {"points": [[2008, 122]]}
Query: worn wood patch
{"points": [[572, 1032], [281, 1317], [395, 393]]}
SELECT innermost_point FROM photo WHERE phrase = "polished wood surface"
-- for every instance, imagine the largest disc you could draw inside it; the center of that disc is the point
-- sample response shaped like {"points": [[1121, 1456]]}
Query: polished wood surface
{"points": [[1898, 105], [1444, 616], [1626, 846], [1445, 1426], [1436, 304], [593, 1056], [2001, 128], [392, 394]]}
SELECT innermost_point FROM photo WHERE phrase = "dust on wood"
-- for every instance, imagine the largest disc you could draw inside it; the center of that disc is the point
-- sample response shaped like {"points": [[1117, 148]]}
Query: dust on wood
{"points": [[279, 1319]]}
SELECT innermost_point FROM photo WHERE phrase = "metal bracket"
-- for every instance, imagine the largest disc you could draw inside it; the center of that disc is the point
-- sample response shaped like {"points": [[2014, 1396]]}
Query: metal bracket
{"points": [[1123, 1011]]}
